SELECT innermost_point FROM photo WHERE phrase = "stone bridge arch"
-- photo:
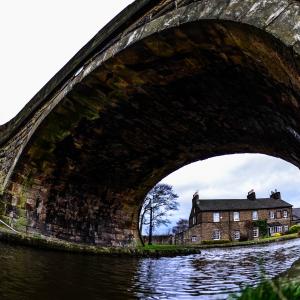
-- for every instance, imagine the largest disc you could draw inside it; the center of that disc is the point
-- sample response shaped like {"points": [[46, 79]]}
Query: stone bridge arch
{"points": [[179, 81]]}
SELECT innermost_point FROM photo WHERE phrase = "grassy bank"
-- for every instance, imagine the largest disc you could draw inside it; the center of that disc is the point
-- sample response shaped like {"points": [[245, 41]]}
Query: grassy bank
{"points": [[271, 290], [162, 247], [49, 243]]}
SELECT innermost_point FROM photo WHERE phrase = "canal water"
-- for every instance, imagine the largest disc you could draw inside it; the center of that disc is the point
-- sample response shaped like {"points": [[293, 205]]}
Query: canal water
{"points": [[215, 273]]}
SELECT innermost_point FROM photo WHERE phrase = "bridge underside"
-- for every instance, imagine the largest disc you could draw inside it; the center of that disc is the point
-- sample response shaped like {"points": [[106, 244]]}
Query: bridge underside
{"points": [[192, 92]]}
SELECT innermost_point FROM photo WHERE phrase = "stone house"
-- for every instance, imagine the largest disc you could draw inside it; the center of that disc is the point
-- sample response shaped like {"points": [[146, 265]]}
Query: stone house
{"points": [[237, 219]]}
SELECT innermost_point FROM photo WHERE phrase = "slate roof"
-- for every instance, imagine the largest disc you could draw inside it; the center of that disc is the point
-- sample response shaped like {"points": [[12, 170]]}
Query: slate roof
{"points": [[296, 213], [240, 204]]}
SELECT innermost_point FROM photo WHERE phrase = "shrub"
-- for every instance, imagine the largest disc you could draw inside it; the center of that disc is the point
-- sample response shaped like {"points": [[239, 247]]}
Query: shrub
{"points": [[214, 242], [269, 289], [294, 229], [262, 225], [243, 238], [277, 234]]}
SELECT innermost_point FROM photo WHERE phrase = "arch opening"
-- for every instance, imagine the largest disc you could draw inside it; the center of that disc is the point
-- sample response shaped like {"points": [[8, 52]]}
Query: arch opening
{"points": [[227, 178]]}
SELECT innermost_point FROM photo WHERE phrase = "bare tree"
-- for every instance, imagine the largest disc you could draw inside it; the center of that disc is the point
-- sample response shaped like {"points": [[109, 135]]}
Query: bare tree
{"points": [[181, 225], [158, 204]]}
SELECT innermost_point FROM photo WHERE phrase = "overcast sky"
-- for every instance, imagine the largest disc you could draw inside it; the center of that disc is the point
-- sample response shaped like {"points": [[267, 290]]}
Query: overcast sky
{"points": [[39, 37], [232, 176]]}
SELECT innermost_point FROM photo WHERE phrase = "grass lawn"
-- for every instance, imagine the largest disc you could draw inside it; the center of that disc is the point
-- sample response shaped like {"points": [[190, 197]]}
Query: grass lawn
{"points": [[268, 239], [157, 247], [248, 243]]}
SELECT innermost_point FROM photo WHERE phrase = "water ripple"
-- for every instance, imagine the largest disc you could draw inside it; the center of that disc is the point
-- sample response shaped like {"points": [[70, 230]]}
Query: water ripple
{"points": [[31, 274], [215, 273]]}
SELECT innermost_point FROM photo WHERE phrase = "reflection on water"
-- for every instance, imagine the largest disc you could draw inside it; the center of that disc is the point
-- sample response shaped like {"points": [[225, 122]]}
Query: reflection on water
{"points": [[216, 272], [31, 274]]}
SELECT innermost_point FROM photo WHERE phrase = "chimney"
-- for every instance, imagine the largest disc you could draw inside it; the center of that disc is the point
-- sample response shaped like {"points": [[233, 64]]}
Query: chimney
{"points": [[275, 195], [251, 195], [195, 198]]}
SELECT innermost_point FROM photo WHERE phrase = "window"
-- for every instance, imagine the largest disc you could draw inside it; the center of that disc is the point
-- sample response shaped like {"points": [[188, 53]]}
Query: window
{"points": [[236, 216], [275, 229], [216, 217], [272, 215], [216, 235], [194, 238], [194, 220], [236, 235], [254, 215], [255, 232], [285, 214]]}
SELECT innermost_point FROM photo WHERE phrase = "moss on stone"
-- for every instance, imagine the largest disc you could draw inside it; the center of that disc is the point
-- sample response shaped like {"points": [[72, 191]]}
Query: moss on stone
{"points": [[21, 223], [2, 207]]}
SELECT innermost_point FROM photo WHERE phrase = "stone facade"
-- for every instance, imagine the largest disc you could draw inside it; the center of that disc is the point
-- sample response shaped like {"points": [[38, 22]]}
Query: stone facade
{"points": [[237, 223]]}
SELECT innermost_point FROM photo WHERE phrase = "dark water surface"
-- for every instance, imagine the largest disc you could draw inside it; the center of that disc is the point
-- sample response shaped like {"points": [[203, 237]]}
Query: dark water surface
{"points": [[32, 274]]}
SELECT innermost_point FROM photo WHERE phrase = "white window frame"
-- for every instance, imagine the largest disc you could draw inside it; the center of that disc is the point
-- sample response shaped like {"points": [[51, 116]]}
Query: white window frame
{"points": [[236, 235], [236, 216], [254, 215], [285, 214], [216, 236], [286, 228], [272, 214], [278, 228], [216, 217], [194, 238], [255, 232]]}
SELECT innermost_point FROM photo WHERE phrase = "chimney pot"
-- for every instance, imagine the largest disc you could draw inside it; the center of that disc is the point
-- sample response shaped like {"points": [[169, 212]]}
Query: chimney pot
{"points": [[275, 195], [251, 195]]}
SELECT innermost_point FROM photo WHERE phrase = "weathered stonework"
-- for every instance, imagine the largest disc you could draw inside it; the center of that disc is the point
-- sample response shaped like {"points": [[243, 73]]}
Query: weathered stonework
{"points": [[165, 84], [227, 226]]}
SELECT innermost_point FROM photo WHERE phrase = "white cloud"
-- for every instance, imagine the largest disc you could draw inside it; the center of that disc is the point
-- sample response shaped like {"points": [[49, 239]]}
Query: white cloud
{"points": [[38, 38]]}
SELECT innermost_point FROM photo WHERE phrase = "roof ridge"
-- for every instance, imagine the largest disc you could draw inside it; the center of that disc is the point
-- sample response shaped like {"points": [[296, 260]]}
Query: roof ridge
{"points": [[241, 204]]}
